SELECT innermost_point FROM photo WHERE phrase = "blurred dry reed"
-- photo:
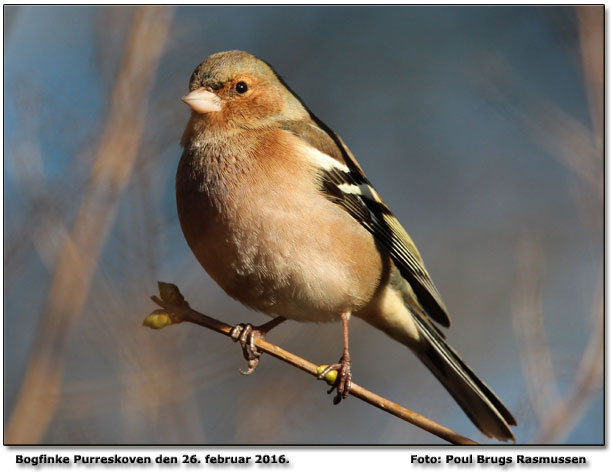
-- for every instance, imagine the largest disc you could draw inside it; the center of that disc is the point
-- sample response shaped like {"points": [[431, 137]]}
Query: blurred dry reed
{"points": [[111, 170], [581, 150]]}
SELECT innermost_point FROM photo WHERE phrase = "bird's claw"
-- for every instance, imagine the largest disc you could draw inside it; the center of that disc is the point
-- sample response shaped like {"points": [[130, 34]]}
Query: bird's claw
{"points": [[246, 334], [343, 380]]}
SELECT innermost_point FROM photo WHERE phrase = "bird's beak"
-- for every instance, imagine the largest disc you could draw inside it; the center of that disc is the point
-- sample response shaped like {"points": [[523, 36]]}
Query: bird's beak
{"points": [[202, 101]]}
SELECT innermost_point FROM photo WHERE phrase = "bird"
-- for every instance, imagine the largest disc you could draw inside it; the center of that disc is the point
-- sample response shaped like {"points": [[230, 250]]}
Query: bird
{"points": [[279, 213]]}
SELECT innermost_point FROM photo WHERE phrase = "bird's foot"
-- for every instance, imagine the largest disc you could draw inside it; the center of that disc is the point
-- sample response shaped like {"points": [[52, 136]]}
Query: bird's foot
{"points": [[343, 379], [246, 334]]}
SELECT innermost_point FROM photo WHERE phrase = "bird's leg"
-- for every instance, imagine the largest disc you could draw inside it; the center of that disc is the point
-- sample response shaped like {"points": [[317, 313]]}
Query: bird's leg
{"points": [[343, 380], [246, 335]]}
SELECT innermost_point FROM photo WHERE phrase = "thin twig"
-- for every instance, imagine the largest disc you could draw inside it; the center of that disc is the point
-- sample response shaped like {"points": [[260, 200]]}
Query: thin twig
{"points": [[179, 311]]}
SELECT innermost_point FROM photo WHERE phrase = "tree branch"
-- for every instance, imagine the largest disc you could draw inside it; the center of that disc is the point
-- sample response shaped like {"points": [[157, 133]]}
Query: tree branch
{"points": [[177, 310]]}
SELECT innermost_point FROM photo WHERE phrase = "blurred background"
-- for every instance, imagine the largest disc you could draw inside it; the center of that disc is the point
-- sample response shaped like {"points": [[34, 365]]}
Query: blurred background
{"points": [[480, 126]]}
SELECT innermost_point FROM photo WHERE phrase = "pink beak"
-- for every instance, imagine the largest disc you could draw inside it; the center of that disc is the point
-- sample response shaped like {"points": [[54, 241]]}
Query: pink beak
{"points": [[202, 101]]}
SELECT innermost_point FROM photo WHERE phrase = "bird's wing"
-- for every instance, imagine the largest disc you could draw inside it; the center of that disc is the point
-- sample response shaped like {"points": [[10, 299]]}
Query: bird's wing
{"points": [[344, 182]]}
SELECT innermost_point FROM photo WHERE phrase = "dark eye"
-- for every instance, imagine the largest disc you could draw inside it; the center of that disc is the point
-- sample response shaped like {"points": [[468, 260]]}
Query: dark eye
{"points": [[241, 87]]}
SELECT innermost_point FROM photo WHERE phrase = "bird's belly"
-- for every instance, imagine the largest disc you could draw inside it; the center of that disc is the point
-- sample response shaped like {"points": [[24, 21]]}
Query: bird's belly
{"points": [[307, 264]]}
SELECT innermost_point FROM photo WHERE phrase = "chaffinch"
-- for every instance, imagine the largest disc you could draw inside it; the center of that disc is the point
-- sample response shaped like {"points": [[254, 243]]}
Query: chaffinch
{"points": [[277, 210]]}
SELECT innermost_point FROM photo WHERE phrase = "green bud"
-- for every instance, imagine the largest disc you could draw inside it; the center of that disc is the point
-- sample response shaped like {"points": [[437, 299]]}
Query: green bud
{"points": [[331, 376], [158, 319]]}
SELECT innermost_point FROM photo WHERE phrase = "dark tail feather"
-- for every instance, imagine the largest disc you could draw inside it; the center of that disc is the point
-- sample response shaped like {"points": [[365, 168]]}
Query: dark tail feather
{"points": [[478, 401]]}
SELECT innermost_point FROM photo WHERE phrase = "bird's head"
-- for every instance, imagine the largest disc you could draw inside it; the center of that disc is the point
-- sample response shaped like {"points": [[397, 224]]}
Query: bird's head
{"points": [[235, 89]]}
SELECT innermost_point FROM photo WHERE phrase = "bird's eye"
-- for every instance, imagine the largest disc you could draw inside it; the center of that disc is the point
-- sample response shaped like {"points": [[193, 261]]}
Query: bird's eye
{"points": [[241, 87]]}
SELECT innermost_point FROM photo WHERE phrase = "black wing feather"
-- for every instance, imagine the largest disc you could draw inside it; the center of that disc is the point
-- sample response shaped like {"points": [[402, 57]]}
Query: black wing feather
{"points": [[375, 216]]}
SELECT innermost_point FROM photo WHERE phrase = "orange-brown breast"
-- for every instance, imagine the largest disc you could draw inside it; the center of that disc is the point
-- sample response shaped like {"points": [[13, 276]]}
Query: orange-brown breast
{"points": [[252, 213]]}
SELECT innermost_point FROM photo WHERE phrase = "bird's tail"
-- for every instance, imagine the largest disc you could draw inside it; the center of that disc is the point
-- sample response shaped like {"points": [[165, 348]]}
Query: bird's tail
{"points": [[478, 401]]}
